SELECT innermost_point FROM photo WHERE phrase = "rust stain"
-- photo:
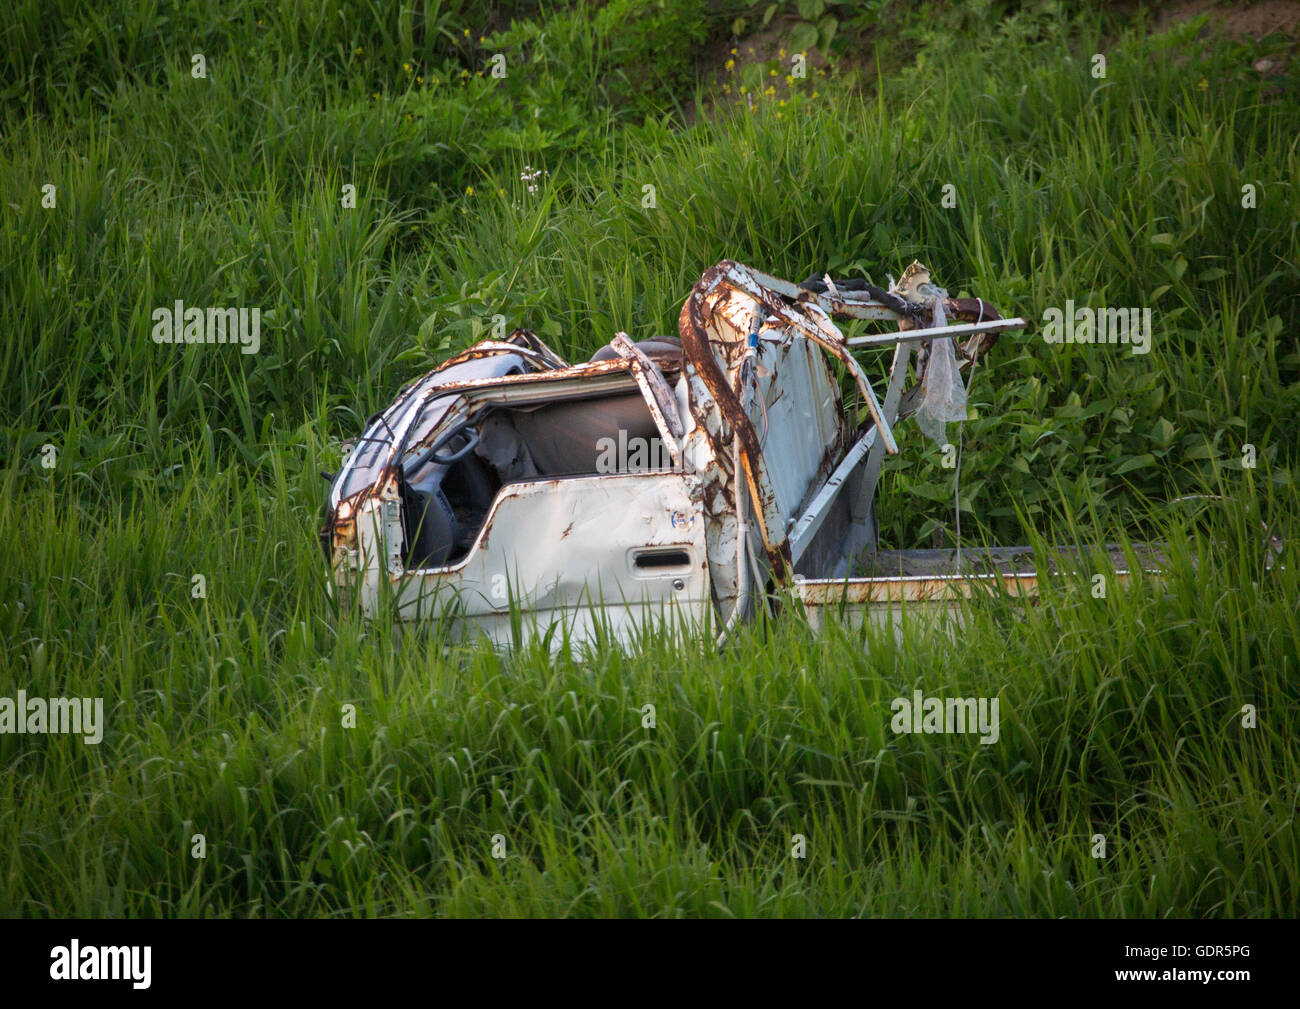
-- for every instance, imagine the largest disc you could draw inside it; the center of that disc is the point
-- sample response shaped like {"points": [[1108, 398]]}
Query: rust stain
{"points": [[695, 342]]}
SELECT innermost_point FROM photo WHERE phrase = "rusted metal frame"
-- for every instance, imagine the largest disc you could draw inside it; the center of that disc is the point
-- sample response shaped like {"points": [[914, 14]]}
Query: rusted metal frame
{"points": [[831, 305], [895, 589], [654, 378], [753, 281], [870, 311], [691, 326], [584, 370], [911, 589], [644, 383], [512, 390], [930, 588], [974, 310], [539, 345], [692, 329], [825, 333], [845, 307], [520, 341], [489, 348]]}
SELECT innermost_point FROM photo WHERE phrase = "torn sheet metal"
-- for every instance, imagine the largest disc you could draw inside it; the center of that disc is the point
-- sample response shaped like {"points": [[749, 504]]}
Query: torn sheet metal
{"points": [[675, 480]]}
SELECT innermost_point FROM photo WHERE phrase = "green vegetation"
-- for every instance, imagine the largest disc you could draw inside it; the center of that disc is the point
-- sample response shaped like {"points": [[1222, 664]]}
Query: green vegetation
{"points": [[1120, 716]]}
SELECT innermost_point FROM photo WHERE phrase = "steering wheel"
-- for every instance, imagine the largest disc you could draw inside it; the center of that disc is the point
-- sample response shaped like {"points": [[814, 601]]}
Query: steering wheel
{"points": [[433, 454]]}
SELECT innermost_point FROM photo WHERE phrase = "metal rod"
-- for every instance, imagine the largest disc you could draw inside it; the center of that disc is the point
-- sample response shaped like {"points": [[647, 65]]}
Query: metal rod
{"points": [[913, 335]]}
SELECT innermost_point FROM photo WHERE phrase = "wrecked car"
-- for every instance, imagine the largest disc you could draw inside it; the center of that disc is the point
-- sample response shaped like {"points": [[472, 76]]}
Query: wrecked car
{"points": [[678, 480]]}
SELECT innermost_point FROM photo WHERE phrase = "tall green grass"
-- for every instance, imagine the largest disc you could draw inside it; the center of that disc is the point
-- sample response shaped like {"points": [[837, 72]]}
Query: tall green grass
{"points": [[1121, 716]]}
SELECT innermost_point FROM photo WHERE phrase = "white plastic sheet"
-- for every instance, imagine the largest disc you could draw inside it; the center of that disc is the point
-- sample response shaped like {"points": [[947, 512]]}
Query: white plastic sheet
{"points": [[943, 396]]}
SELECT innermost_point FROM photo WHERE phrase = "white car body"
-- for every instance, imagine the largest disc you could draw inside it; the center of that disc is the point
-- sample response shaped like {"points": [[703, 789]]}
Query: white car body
{"points": [[759, 479]]}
